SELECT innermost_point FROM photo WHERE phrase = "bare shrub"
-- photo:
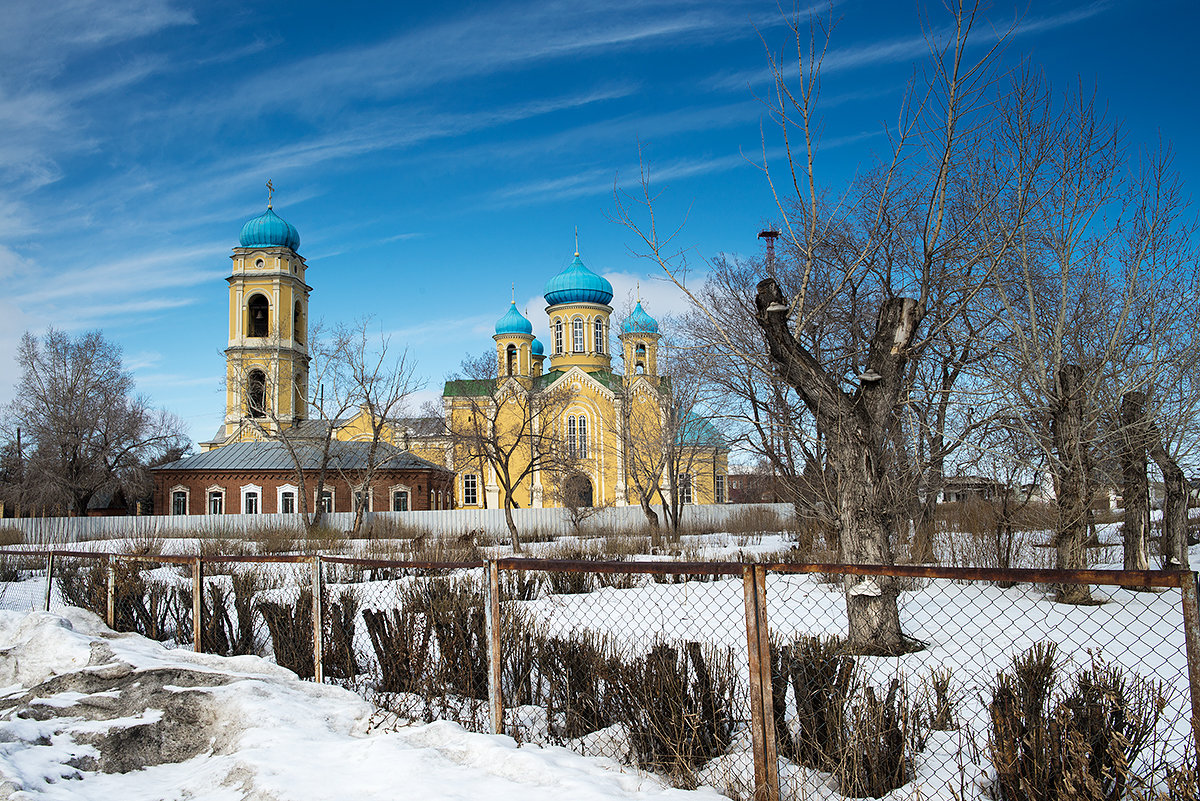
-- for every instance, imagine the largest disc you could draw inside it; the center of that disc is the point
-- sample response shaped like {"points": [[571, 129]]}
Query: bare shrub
{"points": [[579, 673], [822, 676], [678, 704], [882, 737], [11, 535], [939, 701], [338, 658], [228, 616], [291, 630], [1079, 740], [400, 639]]}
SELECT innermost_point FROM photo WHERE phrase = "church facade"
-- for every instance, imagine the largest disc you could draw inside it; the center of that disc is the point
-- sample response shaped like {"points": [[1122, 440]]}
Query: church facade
{"points": [[610, 428]]}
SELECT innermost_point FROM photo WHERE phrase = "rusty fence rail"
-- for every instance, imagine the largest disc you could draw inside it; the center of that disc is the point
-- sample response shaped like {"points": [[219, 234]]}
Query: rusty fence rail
{"points": [[743, 677]]}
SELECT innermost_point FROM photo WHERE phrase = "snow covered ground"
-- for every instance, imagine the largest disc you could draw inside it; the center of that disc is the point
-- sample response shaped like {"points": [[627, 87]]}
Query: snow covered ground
{"points": [[89, 714]]}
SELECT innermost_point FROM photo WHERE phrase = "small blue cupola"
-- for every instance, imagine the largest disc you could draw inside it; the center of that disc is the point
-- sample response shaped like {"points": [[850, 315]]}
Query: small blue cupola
{"points": [[513, 322], [269, 230], [578, 284], [538, 348], [639, 322]]}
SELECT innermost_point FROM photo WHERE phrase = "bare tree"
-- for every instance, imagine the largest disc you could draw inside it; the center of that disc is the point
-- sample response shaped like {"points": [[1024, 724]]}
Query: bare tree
{"points": [[513, 426], [307, 435], [85, 428], [380, 381], [899, 243]]}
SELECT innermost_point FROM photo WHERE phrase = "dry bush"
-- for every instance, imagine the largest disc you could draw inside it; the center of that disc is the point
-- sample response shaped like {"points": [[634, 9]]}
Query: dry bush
{"points": [[822, 676], [578, 682], [228, 616], [146, 606], [291, 627], [678, 706], [866, 737], [1077, 740], [273, 539], [882, 738], [460, 549], [753, 520], [939, 700], [11, 535], [338, 659]]}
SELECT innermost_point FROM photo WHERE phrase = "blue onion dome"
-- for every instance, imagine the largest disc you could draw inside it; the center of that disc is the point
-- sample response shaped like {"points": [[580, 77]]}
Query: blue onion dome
{"points": [[513, 322], [578, 284], [269, 230], [639, 322], [538, 348]]}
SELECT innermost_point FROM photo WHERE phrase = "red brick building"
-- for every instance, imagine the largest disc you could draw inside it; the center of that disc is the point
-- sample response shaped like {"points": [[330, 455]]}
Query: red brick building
{"points": [[260, 478]]}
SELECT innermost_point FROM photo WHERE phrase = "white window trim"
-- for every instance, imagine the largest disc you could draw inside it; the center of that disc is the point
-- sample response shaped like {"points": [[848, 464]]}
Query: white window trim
{"points": [[208, 493], [332, 499], [246, 489], [578, 345], [187, 503], [719, 480], [292, 488], [684, 481], [370, 498], [464, 489], [391, 497]]}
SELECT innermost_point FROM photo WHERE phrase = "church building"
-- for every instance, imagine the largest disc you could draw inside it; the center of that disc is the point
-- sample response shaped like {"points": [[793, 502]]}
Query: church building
{"points": [[613, 430]]}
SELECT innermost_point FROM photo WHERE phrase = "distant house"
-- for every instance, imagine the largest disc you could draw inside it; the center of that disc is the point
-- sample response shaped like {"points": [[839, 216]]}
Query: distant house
{"points": [[965, 488], [260, 478]]}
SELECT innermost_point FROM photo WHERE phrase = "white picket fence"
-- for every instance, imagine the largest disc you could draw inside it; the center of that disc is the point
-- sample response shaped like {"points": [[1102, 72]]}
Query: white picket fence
{"points": [[443, 523]]}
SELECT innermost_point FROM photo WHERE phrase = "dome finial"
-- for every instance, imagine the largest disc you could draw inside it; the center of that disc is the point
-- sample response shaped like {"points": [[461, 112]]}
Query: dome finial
{"points": [[514, 293], [577, 240], [639, 291], [270, 192]]}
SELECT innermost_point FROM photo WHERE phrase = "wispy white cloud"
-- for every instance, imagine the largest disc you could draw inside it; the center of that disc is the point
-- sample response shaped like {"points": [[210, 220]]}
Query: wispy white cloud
{"points": [[905, 49]]}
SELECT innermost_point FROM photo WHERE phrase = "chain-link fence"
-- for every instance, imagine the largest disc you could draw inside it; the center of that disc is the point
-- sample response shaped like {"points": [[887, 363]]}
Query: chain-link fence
{"points": [[770, 681]]}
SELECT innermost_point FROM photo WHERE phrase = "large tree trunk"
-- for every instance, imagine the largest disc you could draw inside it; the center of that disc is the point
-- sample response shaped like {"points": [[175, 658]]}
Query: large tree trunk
{"points": [[1135, 490], [1071, 482], [863, 523], [1173, 544], [860, 425]]}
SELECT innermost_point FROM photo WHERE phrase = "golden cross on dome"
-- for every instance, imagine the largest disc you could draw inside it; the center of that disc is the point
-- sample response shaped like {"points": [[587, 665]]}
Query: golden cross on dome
{"points": [[577, 240], [270, 192], [639, 291], [514, 293]]}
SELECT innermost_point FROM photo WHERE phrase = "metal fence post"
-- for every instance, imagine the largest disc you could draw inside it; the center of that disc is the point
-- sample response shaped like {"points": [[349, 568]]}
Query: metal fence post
{"points": [[49, 577], [318, 623], [491, 578], [1191, 636], [762, 705], [110, 615], [198, 605]]}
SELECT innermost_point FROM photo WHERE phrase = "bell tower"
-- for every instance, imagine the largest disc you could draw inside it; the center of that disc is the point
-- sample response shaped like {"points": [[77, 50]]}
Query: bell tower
{"points": [[266, 361], [639, 341]]}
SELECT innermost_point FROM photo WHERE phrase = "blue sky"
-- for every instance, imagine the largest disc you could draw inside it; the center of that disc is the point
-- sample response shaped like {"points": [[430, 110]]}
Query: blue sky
{"points": [[433, 154]]}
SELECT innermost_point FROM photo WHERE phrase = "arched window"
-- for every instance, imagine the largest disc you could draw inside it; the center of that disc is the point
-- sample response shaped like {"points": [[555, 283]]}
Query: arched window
{"points": [[258, 316], [298, 323], [639, 358], [598, 335], [511, 360], [256, 393], [577, 335], [577, 441], [558, 336]]}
